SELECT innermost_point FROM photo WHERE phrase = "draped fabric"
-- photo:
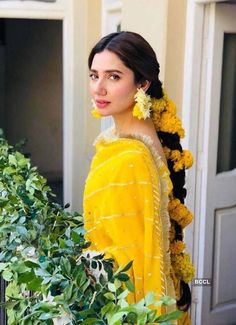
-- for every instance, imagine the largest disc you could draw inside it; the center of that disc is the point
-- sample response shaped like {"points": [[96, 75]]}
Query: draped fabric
{"points": [[125, 210]]}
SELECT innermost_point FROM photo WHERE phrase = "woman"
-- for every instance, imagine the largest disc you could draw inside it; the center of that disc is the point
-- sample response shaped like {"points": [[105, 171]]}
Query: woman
{"points": [[138, 167]]}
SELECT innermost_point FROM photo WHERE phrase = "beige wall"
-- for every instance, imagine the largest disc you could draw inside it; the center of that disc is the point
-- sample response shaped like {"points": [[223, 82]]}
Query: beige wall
{"points": [[162, 23], [85, 32], [175, 47], [148, 18]]}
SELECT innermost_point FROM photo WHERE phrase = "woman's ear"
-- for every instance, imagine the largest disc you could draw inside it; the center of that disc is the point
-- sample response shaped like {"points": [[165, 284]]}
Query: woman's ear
{"points": [[145, 85]]}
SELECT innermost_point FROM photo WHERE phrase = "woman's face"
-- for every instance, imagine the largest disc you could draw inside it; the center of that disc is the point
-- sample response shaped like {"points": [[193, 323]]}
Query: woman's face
{"points": [[112, 84]]}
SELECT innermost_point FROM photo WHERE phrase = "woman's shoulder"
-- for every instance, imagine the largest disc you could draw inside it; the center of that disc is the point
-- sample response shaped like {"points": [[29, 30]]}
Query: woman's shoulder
{"points": [[132, 144], [129, 147]]}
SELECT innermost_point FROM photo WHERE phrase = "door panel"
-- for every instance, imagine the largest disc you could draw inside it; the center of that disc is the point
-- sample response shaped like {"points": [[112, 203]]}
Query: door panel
{"points": [[218, 302]]}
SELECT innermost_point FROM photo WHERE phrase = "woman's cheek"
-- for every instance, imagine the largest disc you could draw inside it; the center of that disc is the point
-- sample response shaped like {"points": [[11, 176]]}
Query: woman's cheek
{"points": [[124, 91]]}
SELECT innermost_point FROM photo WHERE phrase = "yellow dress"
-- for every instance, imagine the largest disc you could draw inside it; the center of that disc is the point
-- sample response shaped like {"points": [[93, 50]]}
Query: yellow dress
{"points": [[125, 210]]}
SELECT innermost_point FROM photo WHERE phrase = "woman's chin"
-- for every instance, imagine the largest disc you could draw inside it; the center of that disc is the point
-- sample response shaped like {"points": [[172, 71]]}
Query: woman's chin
{"points": [[104, 114]]}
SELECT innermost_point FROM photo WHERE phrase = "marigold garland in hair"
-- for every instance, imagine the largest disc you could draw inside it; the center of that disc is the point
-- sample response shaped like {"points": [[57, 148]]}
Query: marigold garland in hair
{"points": [[166, 121], [164, 116]]}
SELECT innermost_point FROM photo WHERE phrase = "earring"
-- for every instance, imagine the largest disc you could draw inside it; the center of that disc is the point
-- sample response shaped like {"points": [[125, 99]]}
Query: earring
{"points": [[142, 108], [95, 111]]}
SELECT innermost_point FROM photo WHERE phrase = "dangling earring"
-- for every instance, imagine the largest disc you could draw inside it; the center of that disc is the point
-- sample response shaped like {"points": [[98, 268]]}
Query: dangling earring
{"points": [[95, 111], [142, 108]]}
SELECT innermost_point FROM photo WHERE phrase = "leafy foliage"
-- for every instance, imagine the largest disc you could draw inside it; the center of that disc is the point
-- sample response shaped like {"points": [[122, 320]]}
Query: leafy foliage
{"points": [[51, 278]]}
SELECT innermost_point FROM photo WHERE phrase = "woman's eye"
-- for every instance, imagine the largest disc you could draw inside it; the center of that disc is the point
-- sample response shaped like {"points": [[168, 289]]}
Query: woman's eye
{"points": [[114, 77], [92, 76]]}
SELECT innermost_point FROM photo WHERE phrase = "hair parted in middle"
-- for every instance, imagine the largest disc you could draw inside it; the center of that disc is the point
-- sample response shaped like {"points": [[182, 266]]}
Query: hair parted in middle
{"points": [[136, 54]]}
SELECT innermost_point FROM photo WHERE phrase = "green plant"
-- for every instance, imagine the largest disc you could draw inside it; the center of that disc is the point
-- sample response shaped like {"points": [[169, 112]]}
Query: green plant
{"points": [[51, 278]]}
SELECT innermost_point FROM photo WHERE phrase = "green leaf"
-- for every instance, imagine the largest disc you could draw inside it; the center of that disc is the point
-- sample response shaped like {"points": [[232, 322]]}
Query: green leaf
{"points": [[12, 160], [110, 296], [35, 284], [7, 275], [21, 230], [9, 171], [166, 301], [107, 308], [149, 298], [123, 294], [31, 264], [3, 266], [111, 287], [68, 292], [170, 316], [117, 317], [142, 319], [92, 321], [42, 273], [130, 286], [123, 303], [152, 315], [65, 266], [46, 316], [132, 318], [26, 277], [127, 267], [117, 283], [122, 277]]}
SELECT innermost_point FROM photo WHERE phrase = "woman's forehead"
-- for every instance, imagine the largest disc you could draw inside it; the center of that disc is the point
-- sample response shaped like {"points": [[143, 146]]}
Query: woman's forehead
{"points": [[108, 61]]}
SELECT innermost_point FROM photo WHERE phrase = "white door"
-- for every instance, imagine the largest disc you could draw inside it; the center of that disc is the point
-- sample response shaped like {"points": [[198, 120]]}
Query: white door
{"points": [[217, 303]]}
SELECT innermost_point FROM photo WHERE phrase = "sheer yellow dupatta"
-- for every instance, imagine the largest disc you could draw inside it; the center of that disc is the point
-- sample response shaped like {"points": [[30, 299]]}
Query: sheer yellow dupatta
{"points": [[125, 212]]}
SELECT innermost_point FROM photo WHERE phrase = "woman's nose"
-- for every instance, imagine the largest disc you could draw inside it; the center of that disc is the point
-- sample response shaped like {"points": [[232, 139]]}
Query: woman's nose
{"points": [[101, 88]]}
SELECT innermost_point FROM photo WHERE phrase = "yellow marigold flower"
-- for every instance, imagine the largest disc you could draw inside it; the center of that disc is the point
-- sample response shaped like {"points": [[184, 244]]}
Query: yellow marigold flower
{"points": [[171, 107], [186, 220], [187, 158], [156, 116], [180, 213], [173, 204], [175, 155], [178, 166], [96, 113], [181, 159], [159, 105], [167, 152], [183, 267], [177, 247], [170, 123]]}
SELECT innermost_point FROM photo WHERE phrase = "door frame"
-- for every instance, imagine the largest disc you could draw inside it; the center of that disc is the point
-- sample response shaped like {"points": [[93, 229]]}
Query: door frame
{"points": [[196, 105], [76, 17]]}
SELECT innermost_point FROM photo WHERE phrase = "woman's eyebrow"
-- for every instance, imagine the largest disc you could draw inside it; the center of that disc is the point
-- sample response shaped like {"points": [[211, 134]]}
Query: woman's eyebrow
{"points": [[107, 71]]}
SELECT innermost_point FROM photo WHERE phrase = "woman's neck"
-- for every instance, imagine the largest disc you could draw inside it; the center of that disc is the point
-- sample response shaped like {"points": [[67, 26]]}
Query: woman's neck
{"points": [[128, 124]]}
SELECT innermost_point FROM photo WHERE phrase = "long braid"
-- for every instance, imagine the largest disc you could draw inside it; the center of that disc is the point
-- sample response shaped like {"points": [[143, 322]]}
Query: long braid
{"points": [[169, 131]]}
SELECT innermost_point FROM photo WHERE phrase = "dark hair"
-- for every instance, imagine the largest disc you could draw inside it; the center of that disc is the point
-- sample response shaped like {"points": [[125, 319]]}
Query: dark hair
{"points": [[137, 54]]}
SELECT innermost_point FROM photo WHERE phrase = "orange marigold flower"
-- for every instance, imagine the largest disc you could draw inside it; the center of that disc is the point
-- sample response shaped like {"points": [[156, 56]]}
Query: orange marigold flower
{"points": [[188, 158], [183, 267], [177, 247]]}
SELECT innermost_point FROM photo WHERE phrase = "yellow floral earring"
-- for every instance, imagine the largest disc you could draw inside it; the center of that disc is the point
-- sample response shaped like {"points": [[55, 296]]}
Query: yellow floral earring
{"points": [[142, 108], [95, 111]]}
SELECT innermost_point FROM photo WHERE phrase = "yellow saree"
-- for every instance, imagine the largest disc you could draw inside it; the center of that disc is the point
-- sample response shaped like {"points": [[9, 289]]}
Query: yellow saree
{"points": [[125, 210]]}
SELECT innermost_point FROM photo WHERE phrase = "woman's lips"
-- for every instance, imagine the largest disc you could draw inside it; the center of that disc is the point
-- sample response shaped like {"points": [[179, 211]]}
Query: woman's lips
{"points": [[102, 103]]}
